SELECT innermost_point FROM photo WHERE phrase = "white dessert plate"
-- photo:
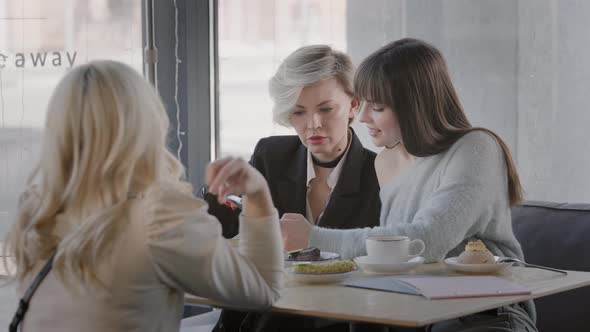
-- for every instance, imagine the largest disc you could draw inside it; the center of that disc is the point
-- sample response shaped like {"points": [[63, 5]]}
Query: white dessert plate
{"points": [[324, 256], [372, 265], [325, 278], [453, 264]]}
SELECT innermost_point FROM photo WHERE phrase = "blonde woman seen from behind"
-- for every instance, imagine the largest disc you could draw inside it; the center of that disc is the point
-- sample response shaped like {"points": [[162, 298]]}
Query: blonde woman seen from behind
{"points": [[129, 237]]}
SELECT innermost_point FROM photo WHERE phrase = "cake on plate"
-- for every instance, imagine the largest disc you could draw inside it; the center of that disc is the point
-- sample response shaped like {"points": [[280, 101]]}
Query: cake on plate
{"points": [[476, 253]]}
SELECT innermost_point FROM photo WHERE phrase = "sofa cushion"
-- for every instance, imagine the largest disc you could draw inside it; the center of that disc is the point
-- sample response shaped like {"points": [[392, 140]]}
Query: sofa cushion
{"points": [[557, 235]]}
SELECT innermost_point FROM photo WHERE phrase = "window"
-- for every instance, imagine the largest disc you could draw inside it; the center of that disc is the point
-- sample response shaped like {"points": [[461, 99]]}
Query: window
{"points": [[254, 37], [39, 41]]}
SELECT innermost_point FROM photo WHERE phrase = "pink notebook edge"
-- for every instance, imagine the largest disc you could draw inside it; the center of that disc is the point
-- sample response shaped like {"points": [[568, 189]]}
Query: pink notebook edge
{"points": [[514, 290]]}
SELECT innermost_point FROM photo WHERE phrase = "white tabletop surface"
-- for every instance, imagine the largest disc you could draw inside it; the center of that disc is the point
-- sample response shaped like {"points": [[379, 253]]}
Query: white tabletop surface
{"points": [[356, 304]]}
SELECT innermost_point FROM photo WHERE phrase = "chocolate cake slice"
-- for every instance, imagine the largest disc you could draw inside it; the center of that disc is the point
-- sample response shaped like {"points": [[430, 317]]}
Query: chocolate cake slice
{"points": [[308, 254]]}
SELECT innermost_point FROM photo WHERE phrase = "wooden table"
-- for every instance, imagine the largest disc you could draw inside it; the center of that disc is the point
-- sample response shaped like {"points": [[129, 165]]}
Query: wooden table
{"points": [[363, 305]]}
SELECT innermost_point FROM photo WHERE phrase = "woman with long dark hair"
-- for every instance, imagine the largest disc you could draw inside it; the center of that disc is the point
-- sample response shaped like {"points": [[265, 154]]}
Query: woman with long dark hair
{"points": [[442, 180]]}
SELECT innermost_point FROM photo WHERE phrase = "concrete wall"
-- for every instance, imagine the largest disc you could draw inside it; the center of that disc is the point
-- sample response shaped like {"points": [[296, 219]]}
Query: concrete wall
{"points": [[522, 69], [553, 84]]}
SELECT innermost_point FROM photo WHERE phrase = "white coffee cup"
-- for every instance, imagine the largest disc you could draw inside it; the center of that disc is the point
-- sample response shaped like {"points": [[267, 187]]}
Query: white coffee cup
{"points": [[393, 248]]}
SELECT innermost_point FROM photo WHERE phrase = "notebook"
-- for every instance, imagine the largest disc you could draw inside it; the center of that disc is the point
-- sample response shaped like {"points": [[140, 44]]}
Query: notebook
{"points": [[442, 287]]}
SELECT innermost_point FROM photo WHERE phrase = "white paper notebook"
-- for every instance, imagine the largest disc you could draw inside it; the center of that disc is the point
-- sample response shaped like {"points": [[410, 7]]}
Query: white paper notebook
{"points": [[443, 287]]}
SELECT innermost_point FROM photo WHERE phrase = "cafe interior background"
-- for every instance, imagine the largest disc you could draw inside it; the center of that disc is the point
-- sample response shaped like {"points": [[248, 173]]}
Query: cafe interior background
{"points": [[522, 68]]}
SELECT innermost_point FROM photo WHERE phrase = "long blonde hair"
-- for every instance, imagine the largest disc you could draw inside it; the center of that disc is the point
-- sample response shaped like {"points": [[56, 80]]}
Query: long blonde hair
{"points": [[105, 139]]}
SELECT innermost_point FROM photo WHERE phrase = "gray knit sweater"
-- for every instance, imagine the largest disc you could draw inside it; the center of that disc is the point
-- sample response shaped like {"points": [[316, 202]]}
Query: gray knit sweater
{"points": [[445, 200]]}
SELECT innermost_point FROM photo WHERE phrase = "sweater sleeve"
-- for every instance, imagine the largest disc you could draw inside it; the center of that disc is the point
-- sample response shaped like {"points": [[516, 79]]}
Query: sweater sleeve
{"points": [[190, 254], [471, 181]]}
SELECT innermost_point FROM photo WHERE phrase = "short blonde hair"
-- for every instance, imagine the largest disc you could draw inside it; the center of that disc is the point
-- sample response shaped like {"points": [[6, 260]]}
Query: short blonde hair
{"points": [[304, 67]]}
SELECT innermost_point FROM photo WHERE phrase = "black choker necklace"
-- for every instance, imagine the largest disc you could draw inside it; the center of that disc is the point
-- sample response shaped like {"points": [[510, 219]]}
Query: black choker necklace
{"points": [[327, 164], [333, 163], [393, 146]]}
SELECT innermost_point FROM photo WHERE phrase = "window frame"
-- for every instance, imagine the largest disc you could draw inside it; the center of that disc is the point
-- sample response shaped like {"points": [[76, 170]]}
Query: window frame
{"points": [[188, 88]]}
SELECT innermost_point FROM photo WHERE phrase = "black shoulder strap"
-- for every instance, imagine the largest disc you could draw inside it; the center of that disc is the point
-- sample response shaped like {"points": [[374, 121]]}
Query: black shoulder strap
{"points": [[23, 304]]}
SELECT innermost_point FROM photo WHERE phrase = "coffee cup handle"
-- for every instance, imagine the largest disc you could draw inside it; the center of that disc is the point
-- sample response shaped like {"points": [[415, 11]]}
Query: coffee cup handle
{"points": [[422, 248]]}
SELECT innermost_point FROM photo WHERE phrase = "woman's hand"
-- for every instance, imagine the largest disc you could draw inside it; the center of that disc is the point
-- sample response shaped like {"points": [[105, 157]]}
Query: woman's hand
{"points": [[295, 230], [234, 176]]}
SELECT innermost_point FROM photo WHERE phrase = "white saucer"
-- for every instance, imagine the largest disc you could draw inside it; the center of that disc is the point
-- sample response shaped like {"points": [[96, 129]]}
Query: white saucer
{"points": [[324, 256], [326, 278], [372, 265], [453, 264]]}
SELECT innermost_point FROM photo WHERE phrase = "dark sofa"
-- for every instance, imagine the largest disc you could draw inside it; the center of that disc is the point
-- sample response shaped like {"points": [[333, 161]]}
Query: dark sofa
{"points": [[557, 235]]}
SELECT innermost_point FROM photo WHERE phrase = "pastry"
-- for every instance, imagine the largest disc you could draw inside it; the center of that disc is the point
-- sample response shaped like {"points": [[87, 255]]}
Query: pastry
{"points": [[476, 253], [339, 266], [308, 254]]}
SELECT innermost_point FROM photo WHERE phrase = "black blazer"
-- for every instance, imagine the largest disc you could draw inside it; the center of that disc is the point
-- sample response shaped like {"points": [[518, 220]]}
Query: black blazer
{"points": [[282, 160]]}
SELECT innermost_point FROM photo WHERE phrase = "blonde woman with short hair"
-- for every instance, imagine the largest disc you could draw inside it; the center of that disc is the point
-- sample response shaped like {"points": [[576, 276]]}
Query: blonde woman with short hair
{"points": [[129, 237], [315, 176], [321, 176]]}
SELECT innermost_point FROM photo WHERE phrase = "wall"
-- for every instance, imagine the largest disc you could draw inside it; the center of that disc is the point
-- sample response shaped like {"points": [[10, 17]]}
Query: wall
{"points": [[521, 68]]}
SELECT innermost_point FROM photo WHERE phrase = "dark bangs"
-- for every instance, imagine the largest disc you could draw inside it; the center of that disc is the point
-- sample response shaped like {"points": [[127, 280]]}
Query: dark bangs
{"points": [[371, 83]]}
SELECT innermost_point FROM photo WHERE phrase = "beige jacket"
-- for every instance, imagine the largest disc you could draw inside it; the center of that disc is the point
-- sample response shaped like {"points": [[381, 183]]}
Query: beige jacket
{"points": [[169, 247]]}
